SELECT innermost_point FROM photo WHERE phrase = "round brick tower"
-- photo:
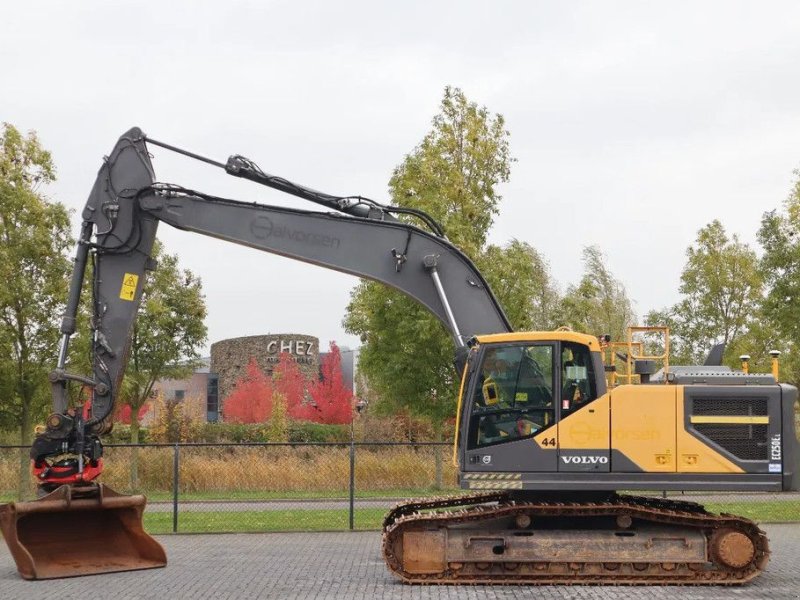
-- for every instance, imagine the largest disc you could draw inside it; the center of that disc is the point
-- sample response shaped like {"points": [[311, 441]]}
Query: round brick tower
{"points": [[229, 358]]}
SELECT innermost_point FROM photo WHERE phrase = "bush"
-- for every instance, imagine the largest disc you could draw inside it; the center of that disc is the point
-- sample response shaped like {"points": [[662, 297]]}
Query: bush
{"points": [[298, 431], [398, 427], [367, 428], [121, 434], [9, 437], [305, 431]]}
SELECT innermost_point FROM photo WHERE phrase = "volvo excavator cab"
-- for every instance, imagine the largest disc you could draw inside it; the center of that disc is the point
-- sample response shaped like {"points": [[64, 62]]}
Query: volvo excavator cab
{"points": [[519, 387]]}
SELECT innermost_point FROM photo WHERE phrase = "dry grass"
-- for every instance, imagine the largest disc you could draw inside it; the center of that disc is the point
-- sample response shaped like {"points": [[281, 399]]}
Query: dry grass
{"points": [[279, 469], [9, 472]]}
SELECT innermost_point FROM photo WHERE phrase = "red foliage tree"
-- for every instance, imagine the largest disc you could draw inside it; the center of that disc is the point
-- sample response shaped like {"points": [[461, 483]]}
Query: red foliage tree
{"points": [[251, 398], [124, 413], [288, 380], [332, 402]]}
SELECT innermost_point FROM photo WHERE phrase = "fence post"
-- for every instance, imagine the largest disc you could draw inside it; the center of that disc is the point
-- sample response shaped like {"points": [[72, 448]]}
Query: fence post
{"points": [[176, 462], [352, 481]]}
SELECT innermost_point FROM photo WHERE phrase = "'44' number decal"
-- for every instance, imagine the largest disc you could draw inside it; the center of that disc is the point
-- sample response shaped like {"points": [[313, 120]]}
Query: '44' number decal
{"points": [[549, 442]]}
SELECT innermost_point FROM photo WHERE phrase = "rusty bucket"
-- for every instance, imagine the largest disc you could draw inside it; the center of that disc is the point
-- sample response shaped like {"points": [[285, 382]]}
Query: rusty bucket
{"points": [[77, 531]]}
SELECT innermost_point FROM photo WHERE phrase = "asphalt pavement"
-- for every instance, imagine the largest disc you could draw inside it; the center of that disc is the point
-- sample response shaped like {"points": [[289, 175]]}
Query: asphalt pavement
{"points": [[348, 565]]}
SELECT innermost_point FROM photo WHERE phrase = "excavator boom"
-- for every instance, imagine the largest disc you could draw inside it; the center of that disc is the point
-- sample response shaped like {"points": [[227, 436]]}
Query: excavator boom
{"points": [[126, 207]]}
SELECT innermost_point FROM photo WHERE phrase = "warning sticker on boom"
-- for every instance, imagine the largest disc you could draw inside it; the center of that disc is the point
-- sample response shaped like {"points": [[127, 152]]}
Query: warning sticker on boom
{"points": [[129, 283]]}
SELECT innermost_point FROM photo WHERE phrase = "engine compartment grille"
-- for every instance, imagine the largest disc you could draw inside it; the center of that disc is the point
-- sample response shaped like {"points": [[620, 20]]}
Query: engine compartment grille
{"points": [[745, 442], [730, 406]]}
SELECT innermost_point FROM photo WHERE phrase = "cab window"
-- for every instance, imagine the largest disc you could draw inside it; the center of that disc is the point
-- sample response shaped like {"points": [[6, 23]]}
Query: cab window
{"points": [[513, 395], [577, 377]]}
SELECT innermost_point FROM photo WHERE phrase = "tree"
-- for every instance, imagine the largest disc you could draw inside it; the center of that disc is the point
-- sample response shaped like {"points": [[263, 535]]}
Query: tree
{"points": [[779, 235], [763, 336], [290, 385], [288, 395], [721, 288], [680, 352], [520, 277], [331, 401], [598, 304], [124, 414], [168, 333], [453, 175], [251, 398], [34, 240], [172, 424]]}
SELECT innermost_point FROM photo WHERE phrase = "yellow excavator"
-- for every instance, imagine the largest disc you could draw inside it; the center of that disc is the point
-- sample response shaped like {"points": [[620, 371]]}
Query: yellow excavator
{"points": [[543, 441]]}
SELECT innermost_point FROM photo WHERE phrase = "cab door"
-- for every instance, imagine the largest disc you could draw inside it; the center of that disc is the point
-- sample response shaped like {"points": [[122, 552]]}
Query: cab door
{"points": [[583, 417]]}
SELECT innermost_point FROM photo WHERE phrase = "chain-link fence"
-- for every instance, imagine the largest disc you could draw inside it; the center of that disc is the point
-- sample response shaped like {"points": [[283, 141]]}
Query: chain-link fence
{"points": [[304, 486]]}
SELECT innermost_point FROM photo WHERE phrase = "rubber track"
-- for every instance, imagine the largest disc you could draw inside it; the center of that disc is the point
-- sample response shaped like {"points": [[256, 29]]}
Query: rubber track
{"points": [[477, 508]]}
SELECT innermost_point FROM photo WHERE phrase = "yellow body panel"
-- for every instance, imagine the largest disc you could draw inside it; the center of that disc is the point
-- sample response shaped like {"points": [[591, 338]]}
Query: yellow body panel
{"points": [[586, 428], [643, 425], [542, 336], [693, 455], [458, 412]]}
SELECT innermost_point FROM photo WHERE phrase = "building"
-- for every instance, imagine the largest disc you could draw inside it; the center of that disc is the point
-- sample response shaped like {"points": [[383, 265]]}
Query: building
{"points": [[216, 378]]}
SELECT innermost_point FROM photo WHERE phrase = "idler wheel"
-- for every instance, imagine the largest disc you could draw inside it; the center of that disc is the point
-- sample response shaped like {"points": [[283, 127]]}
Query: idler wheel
{"points": [[732, 548]]}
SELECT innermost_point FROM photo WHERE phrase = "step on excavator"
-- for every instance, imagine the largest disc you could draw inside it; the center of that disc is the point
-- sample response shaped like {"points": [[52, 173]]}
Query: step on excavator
{"points": [[548, 431]]}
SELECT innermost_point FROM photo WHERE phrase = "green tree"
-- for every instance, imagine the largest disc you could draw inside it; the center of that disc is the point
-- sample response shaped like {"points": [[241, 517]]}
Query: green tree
{"points": [[34, 239], [453, 175], [679, 352], [761, 337], [168, 334], [520, 277], [779, 235], [721, 288], [454, 172], [599, 303]]}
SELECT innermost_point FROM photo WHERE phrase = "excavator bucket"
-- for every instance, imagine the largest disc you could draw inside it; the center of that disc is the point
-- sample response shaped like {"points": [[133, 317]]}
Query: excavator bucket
{"points": [[77, 531]]}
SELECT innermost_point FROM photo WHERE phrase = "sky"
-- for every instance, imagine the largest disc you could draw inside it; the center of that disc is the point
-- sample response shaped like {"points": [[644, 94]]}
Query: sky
{"points": [[633, 124]]}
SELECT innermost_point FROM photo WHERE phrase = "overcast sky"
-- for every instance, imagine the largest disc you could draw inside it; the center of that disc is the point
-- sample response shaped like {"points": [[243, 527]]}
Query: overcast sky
{"points": [[633, 123]]}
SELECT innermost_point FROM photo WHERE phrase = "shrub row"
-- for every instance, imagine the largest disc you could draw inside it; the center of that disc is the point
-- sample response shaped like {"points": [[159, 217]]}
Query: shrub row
{"points": [[298, 431]]}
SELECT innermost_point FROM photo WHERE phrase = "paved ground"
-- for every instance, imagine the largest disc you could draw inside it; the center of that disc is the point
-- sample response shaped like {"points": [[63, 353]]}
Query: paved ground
{"points": [[348, 566]]}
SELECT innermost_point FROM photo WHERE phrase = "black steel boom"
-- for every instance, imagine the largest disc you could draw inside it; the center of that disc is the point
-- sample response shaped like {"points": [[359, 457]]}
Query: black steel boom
{"points": [[126, 206]]}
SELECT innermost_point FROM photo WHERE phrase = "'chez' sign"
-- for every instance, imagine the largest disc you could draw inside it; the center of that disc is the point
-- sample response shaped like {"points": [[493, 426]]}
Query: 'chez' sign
{"points": [[302, 351]]}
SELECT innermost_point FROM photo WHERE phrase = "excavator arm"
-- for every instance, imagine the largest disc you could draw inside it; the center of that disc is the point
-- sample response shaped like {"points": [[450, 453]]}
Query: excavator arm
{"points": [[120, 221]]}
